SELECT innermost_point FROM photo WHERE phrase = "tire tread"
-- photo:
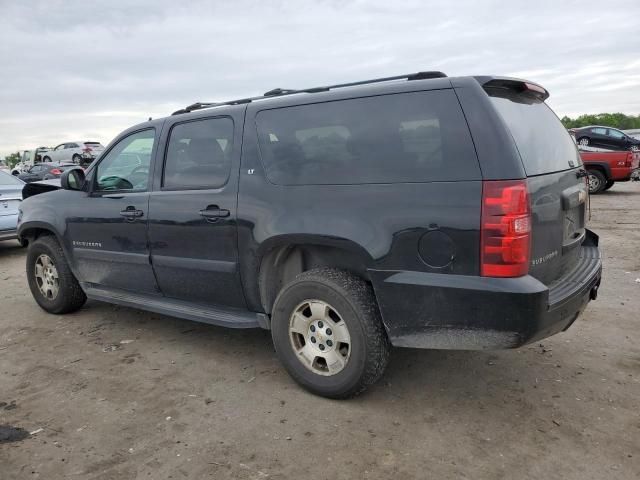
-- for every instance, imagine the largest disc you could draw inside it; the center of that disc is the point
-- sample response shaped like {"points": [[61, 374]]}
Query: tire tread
{"points": [[361, 296]]}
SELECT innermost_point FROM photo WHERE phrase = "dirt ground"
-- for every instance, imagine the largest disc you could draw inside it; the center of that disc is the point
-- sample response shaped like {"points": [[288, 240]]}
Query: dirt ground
{"points": [[115, 393]]}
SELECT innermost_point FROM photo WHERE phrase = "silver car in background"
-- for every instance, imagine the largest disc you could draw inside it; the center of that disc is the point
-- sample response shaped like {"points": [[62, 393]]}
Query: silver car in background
{"points": [[80, 153], [10, 198]]}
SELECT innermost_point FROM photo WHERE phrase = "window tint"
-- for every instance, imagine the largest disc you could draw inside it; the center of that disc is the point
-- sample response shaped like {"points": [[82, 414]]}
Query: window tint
{"points": [[126, 166], [410, 137], [544, 144], [617, 134], [599, 131], [199, 154]]}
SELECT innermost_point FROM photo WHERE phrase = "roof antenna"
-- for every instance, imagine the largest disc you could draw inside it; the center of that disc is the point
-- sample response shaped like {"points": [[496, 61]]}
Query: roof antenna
{"points": [[149, 119]]}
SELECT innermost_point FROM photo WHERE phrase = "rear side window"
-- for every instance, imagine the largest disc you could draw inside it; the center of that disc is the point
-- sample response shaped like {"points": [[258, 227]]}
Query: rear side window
{"points": [[409, 137], [544, 144], [199, 154]]}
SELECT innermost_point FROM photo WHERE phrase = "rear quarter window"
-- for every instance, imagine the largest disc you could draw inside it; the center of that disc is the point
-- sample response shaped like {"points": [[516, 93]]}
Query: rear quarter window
{"points": [[545, 146], [399, 138]]}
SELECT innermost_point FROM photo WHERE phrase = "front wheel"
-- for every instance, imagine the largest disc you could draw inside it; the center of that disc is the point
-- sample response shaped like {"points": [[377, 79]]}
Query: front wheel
{"points": [[77, 159], [608, 185], [327, 331], [51, 281]]}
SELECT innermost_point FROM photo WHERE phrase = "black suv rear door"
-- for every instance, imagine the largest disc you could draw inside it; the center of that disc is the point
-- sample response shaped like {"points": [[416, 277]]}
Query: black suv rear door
{"points": [[556, 183], [192, 210]]}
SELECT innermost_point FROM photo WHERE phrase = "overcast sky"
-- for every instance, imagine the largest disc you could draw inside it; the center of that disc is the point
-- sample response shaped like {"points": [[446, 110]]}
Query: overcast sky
{"points": [[83, 70]]}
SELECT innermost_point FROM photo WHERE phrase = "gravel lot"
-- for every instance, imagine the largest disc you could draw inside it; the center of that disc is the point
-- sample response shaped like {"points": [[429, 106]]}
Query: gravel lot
{"points": [[115, 393]]}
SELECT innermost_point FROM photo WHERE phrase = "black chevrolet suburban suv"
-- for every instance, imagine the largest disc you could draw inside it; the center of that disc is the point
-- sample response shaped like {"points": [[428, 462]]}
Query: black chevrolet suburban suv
{"points": [[416, 211]]}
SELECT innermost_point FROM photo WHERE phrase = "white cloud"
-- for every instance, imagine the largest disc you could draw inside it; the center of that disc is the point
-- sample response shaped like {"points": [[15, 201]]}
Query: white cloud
{"points": [[76, 69]]}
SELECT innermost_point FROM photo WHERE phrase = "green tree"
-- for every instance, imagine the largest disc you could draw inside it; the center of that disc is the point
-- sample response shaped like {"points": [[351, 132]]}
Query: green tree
{"points": [[12, 159], [614, 120]]}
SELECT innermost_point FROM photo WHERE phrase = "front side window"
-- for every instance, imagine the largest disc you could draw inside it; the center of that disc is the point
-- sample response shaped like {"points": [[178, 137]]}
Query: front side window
{"points": [[126, 166], [408, 137], [199, 154]]}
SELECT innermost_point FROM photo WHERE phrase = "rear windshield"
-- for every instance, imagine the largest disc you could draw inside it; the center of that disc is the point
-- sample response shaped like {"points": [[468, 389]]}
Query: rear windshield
{"points": [[544, 144], [7, 179], [409, 137], [93, 144]]}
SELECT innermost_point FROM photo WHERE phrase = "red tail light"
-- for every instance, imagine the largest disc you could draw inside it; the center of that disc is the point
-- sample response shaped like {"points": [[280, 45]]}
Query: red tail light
{"points": [[56, 171], [506, 229]]}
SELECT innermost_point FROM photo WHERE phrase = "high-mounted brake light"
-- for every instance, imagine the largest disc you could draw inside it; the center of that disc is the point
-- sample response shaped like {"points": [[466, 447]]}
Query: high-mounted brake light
{"points": [[505, 244], [535, 88]]}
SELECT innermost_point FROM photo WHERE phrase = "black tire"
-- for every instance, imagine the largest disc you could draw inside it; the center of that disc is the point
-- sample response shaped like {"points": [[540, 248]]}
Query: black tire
{"points": [[77, 159], [597, 181], [70, 296], [608, 185], [355, 302], [46, 159]]}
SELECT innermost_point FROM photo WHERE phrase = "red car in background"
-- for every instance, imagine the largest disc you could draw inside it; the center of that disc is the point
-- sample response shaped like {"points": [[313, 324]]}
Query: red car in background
{"points": [[607, 167]]}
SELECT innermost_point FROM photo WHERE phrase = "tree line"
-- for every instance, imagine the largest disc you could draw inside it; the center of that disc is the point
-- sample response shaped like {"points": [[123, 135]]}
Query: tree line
{"points": [[614, 120]]}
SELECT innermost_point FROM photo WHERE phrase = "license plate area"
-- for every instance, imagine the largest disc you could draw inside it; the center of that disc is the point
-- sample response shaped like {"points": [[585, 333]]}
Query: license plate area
{"points": [[9, 207], [574, 224]]}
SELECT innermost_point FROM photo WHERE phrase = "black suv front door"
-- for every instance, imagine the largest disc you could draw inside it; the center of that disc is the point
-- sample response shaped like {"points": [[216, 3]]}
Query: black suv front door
{"points": [[192, 212], [109, 234]]}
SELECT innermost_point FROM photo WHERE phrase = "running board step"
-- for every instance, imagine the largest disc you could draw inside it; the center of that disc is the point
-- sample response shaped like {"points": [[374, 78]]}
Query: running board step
{"points": [[224, 317]]}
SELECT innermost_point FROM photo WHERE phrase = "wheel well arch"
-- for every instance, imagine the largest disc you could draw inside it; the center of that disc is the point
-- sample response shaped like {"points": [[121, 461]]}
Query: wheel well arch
{"points": [[32, 233], [283, 262], [604, 168]]}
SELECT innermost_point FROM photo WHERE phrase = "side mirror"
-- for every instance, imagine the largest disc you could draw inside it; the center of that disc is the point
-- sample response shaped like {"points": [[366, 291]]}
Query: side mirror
{"points": [[72, 179]]}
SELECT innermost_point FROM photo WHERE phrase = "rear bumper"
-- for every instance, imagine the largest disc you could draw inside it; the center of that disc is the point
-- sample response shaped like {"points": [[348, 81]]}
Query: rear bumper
{"points": [[428, 310]]}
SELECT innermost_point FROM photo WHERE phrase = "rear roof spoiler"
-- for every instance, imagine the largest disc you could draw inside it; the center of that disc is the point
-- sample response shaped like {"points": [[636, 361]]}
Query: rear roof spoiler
{"points": [[515, 85]]}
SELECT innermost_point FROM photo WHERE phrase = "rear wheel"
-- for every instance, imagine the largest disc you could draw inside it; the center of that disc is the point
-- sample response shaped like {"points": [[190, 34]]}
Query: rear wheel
{"points": [[46, 159], [597, 181], [608, 185], [584, 141], [77, 159], [328, 333], [51, 281]]}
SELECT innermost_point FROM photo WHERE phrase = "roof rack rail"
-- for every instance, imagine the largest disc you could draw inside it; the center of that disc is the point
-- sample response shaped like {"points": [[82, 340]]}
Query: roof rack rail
{"points": [[279, 92]]}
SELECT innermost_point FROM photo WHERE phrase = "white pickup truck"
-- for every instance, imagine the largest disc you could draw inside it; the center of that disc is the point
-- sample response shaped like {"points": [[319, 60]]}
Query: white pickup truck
{"points": [[28, 159]]}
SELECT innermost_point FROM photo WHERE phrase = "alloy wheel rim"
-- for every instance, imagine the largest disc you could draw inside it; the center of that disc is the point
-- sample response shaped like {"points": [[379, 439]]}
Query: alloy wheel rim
{"points": [[319, 337], [594, 183], [46, 275]]}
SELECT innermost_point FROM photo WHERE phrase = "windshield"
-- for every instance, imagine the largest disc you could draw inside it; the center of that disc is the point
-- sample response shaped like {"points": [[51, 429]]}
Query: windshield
{"points": [[544, 144], [8, 179]]}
